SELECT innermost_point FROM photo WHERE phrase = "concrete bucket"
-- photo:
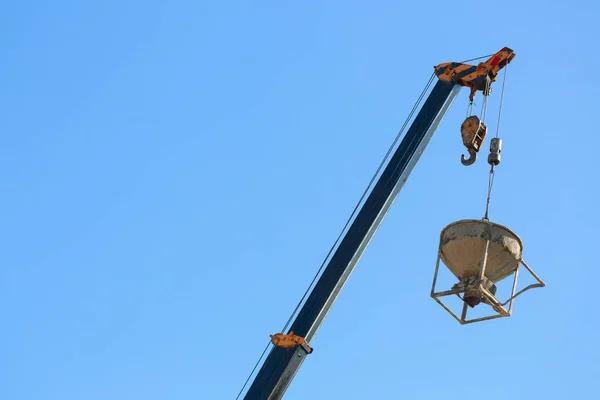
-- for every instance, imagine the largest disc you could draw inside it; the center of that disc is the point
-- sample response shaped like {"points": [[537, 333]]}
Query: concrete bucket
{"points": [[462, 249]]}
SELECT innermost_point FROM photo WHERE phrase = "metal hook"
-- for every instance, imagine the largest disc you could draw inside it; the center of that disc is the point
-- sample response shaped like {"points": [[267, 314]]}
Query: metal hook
{"points": [[469, 161]]}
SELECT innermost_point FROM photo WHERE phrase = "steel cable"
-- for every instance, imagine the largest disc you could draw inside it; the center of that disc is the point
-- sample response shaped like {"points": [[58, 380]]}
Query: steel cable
{"points": [[352, 215]]}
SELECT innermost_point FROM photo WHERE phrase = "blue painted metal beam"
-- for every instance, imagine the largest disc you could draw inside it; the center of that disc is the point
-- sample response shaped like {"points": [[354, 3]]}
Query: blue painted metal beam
{"points": [[281, 364]]}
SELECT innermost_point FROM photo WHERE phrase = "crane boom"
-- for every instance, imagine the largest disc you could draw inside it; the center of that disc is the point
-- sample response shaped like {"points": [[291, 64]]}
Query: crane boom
{"points": [[284, 361]]}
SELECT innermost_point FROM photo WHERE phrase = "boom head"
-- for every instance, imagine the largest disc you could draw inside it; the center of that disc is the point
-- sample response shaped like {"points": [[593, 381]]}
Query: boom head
{"points": [[477, 77]]}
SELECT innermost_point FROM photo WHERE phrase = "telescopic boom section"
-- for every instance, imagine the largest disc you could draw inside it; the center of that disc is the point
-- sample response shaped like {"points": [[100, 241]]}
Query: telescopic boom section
{"points": [[291, 349]]}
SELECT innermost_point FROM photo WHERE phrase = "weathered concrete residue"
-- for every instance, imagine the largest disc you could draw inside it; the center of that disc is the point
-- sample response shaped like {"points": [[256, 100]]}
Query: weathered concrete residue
{"points": [[463, 243]]}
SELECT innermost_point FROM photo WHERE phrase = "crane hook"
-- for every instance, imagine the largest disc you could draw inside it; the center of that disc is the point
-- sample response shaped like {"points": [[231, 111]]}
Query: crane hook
{"points": [[469, 161], [473, 131]]}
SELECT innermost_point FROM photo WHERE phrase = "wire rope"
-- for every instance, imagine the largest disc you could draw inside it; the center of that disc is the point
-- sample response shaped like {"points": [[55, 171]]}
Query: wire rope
{"points": [[492, 173], [352, 215]]}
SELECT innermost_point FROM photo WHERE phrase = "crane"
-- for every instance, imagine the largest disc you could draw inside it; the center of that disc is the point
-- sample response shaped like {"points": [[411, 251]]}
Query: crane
{"points": [[291, 349]]}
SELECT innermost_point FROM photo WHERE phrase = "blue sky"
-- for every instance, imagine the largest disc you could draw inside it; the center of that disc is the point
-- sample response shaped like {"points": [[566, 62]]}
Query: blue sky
{"points": [[174, 173]]}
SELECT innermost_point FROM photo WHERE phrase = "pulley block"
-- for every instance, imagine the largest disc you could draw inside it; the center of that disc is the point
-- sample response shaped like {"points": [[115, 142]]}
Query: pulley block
{"points": [[473, 132]]}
